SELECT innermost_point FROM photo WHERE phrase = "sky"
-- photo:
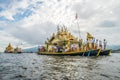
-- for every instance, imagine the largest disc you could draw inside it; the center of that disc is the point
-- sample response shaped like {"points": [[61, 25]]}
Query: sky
{"points": [[31, 22]]}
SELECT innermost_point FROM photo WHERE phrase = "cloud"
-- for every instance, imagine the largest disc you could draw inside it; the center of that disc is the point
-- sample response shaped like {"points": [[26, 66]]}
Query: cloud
{"points": [[32, 21], [108, 23], [33, 35], [15, 7], [84, 9], [5, 39]]}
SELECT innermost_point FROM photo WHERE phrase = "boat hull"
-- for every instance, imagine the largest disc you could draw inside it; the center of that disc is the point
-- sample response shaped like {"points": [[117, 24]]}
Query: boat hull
{"points": [[105, 52], [81, 53], [8, 52], [12, 52]]}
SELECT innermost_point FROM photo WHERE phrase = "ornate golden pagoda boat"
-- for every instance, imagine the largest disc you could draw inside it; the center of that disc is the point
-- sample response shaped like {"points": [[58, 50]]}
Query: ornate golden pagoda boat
{"points": [[9, 49], [64, 43]]}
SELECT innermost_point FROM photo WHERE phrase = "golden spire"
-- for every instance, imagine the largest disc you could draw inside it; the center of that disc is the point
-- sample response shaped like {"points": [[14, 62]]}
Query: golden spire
{"points": [[10, 46]]}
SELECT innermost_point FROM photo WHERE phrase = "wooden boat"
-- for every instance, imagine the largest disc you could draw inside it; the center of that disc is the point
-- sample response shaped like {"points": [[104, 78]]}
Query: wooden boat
{"points": [[105, 52], [80, 53]]}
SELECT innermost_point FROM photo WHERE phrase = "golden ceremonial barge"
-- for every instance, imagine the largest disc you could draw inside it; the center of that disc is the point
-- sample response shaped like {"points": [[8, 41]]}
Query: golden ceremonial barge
{"points": [[11, 49], [64, 43]]}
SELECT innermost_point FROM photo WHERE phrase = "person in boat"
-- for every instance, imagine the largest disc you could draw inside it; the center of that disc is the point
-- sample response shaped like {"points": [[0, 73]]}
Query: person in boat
{"points": [[54, 48], [60, 49], [88, 44], [96, 44], [104, 43], [49, 48], [74, 47], [84, 46], [41, 49], [80, 44], [100, 44], [67, 49], [93, 42]]}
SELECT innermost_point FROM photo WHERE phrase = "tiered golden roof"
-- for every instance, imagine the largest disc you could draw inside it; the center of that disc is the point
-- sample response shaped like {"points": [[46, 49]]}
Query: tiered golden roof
{"points": [[9, 48], [62, 36]]}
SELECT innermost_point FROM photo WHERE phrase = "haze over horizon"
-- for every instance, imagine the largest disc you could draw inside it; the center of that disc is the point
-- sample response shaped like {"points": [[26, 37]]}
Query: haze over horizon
{"points": [[31, 22]]}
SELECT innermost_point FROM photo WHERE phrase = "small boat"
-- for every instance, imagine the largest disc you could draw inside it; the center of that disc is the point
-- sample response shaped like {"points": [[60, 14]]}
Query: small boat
{"points": [[17, 50], [80, 53], [11, 49], [105, 52]]}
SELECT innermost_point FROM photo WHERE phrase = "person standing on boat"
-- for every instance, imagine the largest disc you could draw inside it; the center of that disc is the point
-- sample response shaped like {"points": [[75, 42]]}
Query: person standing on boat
{"points": [[80, 44], [105, 43], [88, 45], [96, 44], [100, 44], [84, 45], [54, 47], [93, 42]]}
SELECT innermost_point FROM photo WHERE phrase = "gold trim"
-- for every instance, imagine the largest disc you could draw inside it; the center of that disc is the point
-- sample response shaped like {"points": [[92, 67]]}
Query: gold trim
{"points": [[110, 52], [98, 52], [60, 52]]}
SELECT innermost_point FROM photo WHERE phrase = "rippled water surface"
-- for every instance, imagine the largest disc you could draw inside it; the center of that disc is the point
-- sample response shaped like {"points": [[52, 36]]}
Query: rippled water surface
{"points": [[30, 66]]}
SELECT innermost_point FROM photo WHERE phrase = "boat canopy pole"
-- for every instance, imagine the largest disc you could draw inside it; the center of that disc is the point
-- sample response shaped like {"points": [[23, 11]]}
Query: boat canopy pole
{"points": [[79, 30], [78, 26]]}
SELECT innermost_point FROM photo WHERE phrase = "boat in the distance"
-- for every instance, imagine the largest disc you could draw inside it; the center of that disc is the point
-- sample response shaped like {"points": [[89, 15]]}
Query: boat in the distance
{"points": [[11, 49], [17, 50]]}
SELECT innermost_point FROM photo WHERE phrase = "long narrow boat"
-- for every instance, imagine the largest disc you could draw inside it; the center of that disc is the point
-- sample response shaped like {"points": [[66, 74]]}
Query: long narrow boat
{"points": [[80, 53], [64, 43], [105, 52]]}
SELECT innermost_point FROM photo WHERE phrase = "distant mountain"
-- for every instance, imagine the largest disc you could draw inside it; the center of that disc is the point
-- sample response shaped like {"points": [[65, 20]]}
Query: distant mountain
{"points": [[32, 49], [113, 47], [116, 51]]}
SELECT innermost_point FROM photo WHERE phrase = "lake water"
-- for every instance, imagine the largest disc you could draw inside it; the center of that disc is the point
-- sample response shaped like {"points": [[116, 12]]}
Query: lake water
{"points": [[30, 66]]}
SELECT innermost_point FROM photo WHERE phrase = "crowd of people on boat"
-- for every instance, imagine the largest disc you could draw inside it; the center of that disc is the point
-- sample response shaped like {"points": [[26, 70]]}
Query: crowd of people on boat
{"points": [[81, 46]]}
